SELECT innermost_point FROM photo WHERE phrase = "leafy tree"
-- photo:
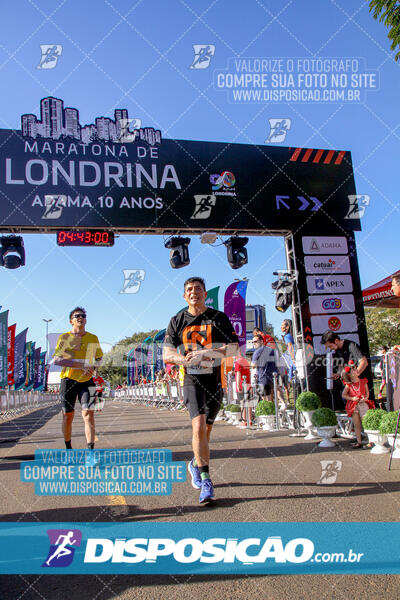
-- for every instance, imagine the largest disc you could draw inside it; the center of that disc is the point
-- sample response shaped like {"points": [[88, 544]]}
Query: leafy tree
{"points": [[114, 365], [388, 11], [383, 327]]}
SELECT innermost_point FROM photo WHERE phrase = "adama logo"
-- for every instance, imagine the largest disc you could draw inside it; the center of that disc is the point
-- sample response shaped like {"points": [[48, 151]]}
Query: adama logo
{"points": [[334, 323]]}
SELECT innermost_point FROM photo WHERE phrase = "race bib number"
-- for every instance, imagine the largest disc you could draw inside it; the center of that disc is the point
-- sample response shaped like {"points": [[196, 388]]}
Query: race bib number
{"points": [[199, 370]]}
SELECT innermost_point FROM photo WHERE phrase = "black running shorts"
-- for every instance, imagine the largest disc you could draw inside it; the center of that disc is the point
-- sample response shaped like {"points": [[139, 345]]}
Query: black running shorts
{"points": [[70, 390], [264, 389], [200, 400]]}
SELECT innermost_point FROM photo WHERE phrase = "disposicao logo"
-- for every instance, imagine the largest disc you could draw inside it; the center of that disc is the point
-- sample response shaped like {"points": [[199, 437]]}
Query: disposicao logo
{"points": [[191, 550], [62, 550]]}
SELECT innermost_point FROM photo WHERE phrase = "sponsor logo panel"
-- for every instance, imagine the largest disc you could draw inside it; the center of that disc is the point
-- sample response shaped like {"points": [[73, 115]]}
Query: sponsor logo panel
{"points": [[329, 285], [321, 323], [327, 264], [330, 304], [324, 245], [320, 348]]}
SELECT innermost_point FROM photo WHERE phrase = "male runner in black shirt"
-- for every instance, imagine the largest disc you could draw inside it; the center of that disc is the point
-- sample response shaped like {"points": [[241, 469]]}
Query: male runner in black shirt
{"points": [[198, 338], [343, 352]]}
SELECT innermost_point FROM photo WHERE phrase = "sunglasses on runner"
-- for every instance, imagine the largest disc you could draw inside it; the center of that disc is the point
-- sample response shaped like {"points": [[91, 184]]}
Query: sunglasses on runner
{"points": [[256, 341], [79, 316]]}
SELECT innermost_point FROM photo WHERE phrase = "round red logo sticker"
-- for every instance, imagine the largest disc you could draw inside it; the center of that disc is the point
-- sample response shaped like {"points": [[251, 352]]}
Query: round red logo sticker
{"points": [[334, 323]]}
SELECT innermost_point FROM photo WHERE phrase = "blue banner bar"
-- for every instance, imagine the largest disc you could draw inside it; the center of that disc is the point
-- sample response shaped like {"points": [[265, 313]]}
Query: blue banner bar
{"points": [[199, 548]]}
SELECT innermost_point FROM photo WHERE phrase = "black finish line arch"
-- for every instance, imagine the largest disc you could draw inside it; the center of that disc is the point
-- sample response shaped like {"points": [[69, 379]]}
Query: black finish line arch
{"points": [[162, 186]]}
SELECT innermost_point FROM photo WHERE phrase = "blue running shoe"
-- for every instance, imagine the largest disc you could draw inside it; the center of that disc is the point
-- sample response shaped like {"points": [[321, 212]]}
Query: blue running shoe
{"points": [[195, 473], [207, 492]]}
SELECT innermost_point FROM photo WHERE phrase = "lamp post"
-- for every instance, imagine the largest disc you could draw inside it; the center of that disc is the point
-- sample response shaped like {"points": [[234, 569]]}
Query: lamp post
{"points": [[47, 321]]}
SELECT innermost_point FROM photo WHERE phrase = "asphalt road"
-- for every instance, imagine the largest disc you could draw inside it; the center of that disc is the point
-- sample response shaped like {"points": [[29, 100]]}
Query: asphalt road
{"points": [[258, 476]]}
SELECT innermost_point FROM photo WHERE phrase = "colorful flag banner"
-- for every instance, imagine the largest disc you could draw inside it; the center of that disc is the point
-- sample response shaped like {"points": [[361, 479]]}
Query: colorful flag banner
{"points": [[11, 353], [4, 348], [158, 350], [20, 359], [235, 308], [36, 361], [40, 384]]}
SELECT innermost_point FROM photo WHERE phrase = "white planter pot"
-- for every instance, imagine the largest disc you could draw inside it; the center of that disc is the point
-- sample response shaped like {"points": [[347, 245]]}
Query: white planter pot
{"points": [[390, 439], [267, 422], [220, 415], [235, 418], [326, 433], [379, 440], [308, 424]]}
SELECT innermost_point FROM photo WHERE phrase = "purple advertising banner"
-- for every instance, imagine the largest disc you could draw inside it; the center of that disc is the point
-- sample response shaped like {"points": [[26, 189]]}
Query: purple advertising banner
{"points": [[130, 363], [19, 361], [4, 348], [235, 308], [41, 376], [158, 349], [36, 368]]}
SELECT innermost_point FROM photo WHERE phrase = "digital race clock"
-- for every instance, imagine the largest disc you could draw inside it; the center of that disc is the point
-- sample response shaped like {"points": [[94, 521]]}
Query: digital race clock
{"points": [[85, 237]]}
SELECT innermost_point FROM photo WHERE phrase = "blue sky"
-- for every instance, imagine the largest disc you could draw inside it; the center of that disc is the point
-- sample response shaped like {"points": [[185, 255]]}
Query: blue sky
{"points": [[136, 55]]}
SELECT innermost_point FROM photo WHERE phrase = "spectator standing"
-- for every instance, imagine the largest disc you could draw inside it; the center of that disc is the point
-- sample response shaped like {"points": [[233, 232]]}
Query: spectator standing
{"points": [[263, 361]]}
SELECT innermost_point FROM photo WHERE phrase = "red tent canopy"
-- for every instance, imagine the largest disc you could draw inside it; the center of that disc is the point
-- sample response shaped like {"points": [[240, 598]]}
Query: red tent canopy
{"points": [[380, 294]]}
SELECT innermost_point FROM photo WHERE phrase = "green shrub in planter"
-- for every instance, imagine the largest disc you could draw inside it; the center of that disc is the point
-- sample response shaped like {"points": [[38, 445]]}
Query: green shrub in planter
{"points": [[389, 422], [372, 419], [324, 417], [235, 408], [308, 401], [265, 407]]}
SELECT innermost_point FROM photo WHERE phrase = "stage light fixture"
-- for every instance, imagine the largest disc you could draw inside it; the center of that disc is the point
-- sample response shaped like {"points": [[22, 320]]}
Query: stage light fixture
{"points": [[236, 251], [284, 289], [12, 251], [179, 252]]}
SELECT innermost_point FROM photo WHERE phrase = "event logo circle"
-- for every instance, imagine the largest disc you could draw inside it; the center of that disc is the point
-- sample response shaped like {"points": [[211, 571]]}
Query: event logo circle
{"points": [[334, 323], [331, 304], [226, 179]]}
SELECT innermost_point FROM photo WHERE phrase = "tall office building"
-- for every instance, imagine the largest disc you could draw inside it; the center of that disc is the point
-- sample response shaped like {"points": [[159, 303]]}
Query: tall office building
{"points": [[51, 112], [103, 128], [29, 125], [72, 127], [120, 113], [88, 134]]}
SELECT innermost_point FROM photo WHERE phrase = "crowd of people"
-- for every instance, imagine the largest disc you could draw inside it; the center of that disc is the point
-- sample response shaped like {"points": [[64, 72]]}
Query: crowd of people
{"points": [[197, 342]]}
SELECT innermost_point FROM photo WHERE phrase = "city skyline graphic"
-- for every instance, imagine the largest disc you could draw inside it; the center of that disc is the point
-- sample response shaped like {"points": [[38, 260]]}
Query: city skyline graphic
{"points": [[58, 122]]}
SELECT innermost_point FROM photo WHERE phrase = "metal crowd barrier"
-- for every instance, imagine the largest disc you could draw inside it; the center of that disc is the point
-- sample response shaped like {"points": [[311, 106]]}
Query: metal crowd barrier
{"points": [[166, 395], [13, 403]]}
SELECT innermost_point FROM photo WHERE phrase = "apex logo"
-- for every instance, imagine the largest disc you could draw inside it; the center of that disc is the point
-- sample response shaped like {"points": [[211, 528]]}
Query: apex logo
{"points": [[61, 552]]}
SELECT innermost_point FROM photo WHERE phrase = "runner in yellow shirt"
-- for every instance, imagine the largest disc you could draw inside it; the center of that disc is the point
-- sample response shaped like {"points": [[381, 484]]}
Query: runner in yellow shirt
{"points": [[78, 353]]}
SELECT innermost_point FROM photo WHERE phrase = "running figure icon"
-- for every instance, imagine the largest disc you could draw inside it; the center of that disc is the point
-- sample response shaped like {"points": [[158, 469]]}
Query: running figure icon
{"points": [[62, 550]]}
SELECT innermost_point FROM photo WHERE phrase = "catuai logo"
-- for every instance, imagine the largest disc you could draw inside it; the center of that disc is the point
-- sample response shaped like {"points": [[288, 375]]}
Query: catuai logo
{"points": [[334, 323], [61, 551], [326, 265], [331, 304]]}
